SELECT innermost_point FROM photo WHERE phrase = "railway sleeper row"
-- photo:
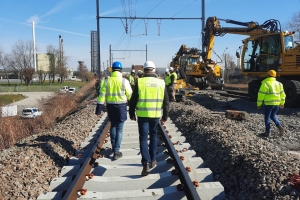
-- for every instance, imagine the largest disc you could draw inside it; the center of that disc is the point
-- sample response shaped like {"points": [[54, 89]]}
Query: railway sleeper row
{"points": [[121, 179]]}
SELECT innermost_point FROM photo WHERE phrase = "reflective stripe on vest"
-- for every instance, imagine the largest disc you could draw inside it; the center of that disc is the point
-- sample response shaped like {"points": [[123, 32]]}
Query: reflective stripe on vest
{"points": [[151, 94]]}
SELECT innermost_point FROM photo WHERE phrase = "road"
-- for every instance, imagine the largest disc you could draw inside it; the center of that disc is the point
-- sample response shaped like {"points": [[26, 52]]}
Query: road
{"points": [[30, 101]]}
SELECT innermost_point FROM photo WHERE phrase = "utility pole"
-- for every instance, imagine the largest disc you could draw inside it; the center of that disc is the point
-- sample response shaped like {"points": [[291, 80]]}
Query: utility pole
{"points": [[203, 24], [98, 40]]}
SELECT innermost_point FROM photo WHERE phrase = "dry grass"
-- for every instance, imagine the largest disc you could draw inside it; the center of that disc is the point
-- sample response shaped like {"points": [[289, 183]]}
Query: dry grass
{"points": [[55, 107]]}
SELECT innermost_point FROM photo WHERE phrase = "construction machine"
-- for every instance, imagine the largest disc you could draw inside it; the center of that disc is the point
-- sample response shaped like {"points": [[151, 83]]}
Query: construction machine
{"points": [[194, 71], [266, 48]]}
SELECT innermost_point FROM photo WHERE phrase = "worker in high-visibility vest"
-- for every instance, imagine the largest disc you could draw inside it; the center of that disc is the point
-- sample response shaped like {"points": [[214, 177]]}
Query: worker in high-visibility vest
{"points": [[115, 91], [173, 84], [150, 101], [167, 78], [168, 83], [132, 79], [271, 93]]}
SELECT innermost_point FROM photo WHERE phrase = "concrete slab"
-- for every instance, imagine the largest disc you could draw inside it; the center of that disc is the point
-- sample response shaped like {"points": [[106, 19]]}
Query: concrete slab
{"points": [[211, 190], [134, 182], [50, 196], [166, 193]]}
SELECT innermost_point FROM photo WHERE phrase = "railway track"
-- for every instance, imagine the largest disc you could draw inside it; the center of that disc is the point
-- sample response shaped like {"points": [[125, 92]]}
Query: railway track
{"points": [[92, 174]]}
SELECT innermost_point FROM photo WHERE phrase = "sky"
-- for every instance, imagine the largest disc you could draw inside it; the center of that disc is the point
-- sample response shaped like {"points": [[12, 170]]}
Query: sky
{"points": [[75, 19]]}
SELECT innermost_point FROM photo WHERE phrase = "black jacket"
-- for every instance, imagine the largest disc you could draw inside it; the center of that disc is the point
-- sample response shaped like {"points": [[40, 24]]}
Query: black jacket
{"points": [[135, 97]]}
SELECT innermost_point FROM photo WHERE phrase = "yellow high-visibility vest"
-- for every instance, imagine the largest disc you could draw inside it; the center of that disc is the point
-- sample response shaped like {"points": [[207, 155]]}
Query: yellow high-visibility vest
{"points": [[131, 80], [175, 76], [271, 93], [115, 90], [151, 95], [168, 79]]}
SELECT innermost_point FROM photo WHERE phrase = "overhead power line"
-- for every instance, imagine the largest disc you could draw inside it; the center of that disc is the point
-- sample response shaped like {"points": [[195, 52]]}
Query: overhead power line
{"points": [[162, 18]]}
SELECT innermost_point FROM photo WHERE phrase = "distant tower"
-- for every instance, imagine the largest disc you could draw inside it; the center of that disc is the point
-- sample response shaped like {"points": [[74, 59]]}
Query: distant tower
{"points": [[94, 51]]}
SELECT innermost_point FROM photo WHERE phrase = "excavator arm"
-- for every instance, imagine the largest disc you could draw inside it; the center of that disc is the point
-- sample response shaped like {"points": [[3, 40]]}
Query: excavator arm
{"points": [[213, 28]]}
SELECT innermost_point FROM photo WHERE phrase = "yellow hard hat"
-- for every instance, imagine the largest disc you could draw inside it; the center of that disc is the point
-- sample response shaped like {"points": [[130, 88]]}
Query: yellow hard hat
{"points": [[272, 73]]}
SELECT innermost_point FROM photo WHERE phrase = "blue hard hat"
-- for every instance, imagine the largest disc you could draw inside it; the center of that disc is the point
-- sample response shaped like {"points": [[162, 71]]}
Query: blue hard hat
{"points": [[117, 65]]}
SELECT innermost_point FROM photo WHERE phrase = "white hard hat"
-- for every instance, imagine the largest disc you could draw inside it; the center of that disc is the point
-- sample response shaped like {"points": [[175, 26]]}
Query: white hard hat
{"points": [[167, 70], [149, 64], [171, 68], [133, 71]]}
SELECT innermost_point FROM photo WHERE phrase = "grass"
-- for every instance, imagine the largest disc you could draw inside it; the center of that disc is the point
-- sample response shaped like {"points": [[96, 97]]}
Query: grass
{"points": [[37, 87], [10, 98]]}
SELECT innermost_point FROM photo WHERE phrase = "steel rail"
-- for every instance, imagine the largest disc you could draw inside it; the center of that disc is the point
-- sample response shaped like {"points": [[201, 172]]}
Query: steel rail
{"points": [[79, 180], [190, 189]]}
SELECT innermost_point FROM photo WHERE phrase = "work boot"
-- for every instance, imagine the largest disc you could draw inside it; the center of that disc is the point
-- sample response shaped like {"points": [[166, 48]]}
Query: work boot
{"points": [[117, 155], [281, 130], [153, 164], [146, 169], [265, 134]]}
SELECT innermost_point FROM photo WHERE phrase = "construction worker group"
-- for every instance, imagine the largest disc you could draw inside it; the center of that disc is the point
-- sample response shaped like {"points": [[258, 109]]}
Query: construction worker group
{"points": [[148, 99]]}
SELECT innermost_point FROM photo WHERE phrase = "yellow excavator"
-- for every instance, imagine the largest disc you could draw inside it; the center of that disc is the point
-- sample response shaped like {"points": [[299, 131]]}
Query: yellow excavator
{"points": [[266, 48], [194, 71]]}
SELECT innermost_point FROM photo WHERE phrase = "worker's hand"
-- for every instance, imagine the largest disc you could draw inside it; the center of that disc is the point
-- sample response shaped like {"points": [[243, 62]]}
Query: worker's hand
{"points": [[162, 122], [98, 110], [281, 107], [133, 118], [258, 107]]}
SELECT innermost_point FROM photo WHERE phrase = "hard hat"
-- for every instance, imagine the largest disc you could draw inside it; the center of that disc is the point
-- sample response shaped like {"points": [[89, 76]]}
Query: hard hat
{"points": [[149, 64], [133, 71], [171, 68], [167, 70], [139, 72], [272, 73], [117, 65]]}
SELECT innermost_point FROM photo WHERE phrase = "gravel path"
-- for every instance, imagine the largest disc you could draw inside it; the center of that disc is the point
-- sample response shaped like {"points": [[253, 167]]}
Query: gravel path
{"points": [[248, 166]]}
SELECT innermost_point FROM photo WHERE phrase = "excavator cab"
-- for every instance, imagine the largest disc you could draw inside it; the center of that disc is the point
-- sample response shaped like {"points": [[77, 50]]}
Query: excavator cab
{"points": [[262, 54]]}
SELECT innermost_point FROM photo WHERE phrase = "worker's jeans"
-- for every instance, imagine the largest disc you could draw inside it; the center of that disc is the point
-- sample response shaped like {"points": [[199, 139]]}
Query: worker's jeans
{"points": [[116, 135], [148, 125], [270, 112]]}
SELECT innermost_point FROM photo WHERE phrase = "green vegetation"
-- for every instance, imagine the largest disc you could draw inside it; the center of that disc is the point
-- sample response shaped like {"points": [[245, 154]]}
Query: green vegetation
{"points": [[37, 87], [10, 98]]}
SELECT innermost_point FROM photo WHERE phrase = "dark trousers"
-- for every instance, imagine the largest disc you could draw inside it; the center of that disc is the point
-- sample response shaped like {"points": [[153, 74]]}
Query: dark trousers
{"points": [[148, 126]]}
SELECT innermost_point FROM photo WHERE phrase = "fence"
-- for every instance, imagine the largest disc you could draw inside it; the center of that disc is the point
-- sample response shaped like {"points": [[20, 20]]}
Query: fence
{"points": [[23, 88], [7, 111]]}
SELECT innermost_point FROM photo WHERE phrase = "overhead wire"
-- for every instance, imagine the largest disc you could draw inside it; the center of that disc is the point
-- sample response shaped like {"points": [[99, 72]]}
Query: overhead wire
{"points": [[149, 12], [183, 9]]}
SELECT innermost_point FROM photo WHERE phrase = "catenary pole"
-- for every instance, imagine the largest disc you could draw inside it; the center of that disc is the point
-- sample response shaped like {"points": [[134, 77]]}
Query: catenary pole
{"points": [[98, 40]]}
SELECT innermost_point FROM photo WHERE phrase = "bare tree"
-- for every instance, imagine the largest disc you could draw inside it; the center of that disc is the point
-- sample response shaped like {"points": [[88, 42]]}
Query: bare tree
{"points": [[229, 65], [52, 53], [82, 71], [21, 60], [3, 63], [57, 63], [294, 24], [61, 68], [42, 76]]}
